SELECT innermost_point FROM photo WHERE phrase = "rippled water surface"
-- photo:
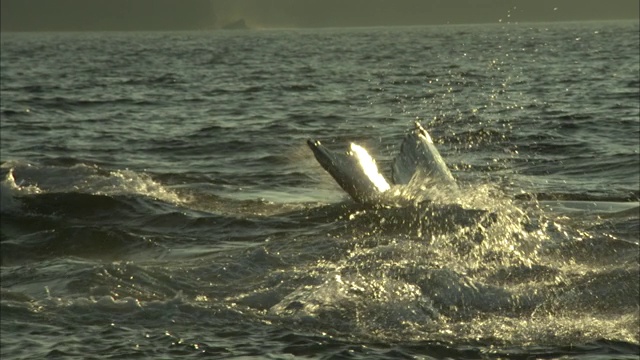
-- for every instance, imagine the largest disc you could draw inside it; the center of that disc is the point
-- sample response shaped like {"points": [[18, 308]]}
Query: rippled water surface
{"points": [[159, 199]]}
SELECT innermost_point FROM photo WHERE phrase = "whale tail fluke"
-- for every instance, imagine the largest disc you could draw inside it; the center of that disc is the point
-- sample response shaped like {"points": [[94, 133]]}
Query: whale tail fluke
{"points": [[357, 173], [420, 161]]}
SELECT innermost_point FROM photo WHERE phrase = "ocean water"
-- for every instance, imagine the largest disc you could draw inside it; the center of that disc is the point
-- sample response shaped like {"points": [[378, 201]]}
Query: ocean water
{"points": [[159, 199]]}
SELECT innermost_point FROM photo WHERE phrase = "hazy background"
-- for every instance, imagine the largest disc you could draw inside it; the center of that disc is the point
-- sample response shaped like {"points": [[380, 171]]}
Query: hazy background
{"points": [[38, 15]]}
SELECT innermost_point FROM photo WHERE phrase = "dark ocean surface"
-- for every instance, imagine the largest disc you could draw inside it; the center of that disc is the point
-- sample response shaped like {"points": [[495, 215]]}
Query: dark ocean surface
{"points": [[159, 199]]}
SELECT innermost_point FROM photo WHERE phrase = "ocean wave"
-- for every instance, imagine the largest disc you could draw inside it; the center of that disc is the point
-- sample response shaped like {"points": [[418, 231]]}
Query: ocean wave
{"points": [[71, 176]]}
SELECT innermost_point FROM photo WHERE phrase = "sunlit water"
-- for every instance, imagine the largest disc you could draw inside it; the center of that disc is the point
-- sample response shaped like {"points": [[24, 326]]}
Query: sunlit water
{"points": [[159, 199]]}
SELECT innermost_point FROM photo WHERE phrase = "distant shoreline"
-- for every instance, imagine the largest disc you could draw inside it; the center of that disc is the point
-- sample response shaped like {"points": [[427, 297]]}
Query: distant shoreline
{"points": [[195, 15], [223, 29]]}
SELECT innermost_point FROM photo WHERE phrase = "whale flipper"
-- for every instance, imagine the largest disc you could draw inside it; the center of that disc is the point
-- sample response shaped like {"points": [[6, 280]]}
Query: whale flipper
{"points": [[420, 161], [355, 171]]}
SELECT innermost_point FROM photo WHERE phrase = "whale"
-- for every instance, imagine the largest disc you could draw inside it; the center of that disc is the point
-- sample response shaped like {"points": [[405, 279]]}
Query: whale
{"points": [[418, 163], [422, 193]]}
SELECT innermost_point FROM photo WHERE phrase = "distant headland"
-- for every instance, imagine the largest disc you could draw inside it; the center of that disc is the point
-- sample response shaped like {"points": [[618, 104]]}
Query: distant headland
{"points": [[236, 25], [171, 15]]}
